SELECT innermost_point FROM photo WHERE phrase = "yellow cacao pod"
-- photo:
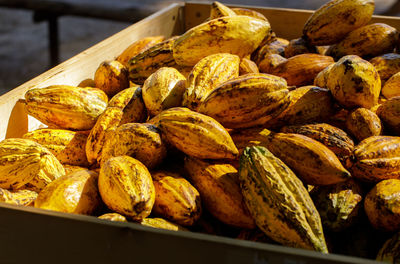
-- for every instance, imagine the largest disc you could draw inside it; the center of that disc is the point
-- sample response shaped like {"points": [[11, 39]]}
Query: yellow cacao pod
{"points": [[20, 197], [298, 46], [247, 66], [248, 12], [162, 224], [270, 62], [218, 185], [220, 10], [66, 107], [111, 77], [335, 19], [247, 100], [196, 134], [392, 86], [25, 164], [386, 65], [301, 69], [126, 187], [389, 113], [71, 168], [354, 82], [382, 205], [363, 123], [74, 193], [137, 47], [275, 46], [207, 74], [176, 199], [388, 253], [87, 83], [66, 145], [377, 158], [141, 141], [113, 217], [278, 201], [367, 42], [163, 89], [321, 79], [239, 35]]}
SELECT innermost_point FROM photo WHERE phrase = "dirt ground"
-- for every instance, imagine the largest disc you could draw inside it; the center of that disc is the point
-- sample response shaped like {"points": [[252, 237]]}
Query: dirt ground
{"points": [[24, 44]]}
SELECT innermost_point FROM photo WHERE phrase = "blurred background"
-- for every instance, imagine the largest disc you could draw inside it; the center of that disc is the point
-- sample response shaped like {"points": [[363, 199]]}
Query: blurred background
{"points": [[24, 28]]}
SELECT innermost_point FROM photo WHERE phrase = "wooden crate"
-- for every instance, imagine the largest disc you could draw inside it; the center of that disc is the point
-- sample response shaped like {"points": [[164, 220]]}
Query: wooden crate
{"points": [[30, 234]]}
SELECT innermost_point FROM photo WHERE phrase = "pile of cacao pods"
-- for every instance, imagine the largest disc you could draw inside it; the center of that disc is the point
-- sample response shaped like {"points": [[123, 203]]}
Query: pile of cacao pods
{"points": [[230, 130]]}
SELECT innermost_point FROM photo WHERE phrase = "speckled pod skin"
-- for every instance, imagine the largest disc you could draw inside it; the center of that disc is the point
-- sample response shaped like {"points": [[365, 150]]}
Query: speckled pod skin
{"points": [[389, 113], [377, 158], [246, 101], [367, 42], [392, 86], [20, 197], [278, 201], [163, 89], [131, 102], [113, 217], [141, 141], [218, 185], [126, 187], [196, 134], [386, 65], [307, 104], [335, 19], [354, 82], [301, 69], [247, 66], [389, 251], [176, 199], [66, 107], [298, 46], [338, 204], [238, 35], [382, 205], [312, 161], [111, 77], [206, 75], [363, 123], [25, 164], [269, 62], [275, 46], [74, 193], [321, 80], [66, 145], [162, 224], [332, 137], [220, 10], [137, 47]]}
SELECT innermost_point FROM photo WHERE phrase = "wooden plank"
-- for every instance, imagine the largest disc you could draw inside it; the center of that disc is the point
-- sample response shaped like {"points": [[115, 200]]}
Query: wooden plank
{"points": [[166, 22]]}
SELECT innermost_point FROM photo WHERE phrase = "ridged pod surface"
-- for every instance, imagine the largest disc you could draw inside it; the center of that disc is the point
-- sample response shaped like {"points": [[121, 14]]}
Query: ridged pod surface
{"points": [[239, 35], [147, 62], [248, 12], [141, 141], [363, 123], [66, 145], [20, 197], [367, 42], [248, 100], [386, 65], [307, 104], [298, 46], [66, 107], [339, 204], [218, 185], [220, 10], [74, 193], [377, 158], [392, 86], [389, 113], [107, 122], [301, 69], [332, 137], [382, 205], [137, 47], [196, 134], [335, 19], [25, 164], [207, 74], [161, 223], [111, 77], [131, 102], [321, 79], [312, 161], [126, 187], [176, 199], [247, 66], [113, 217], [278, 201], [163, 89], [389, 252], [354, 82]]}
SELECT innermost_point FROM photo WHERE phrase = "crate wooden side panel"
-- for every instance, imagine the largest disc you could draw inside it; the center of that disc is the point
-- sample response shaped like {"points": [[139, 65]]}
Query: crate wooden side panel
{"points": [[285, 22], [15, 121]]}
